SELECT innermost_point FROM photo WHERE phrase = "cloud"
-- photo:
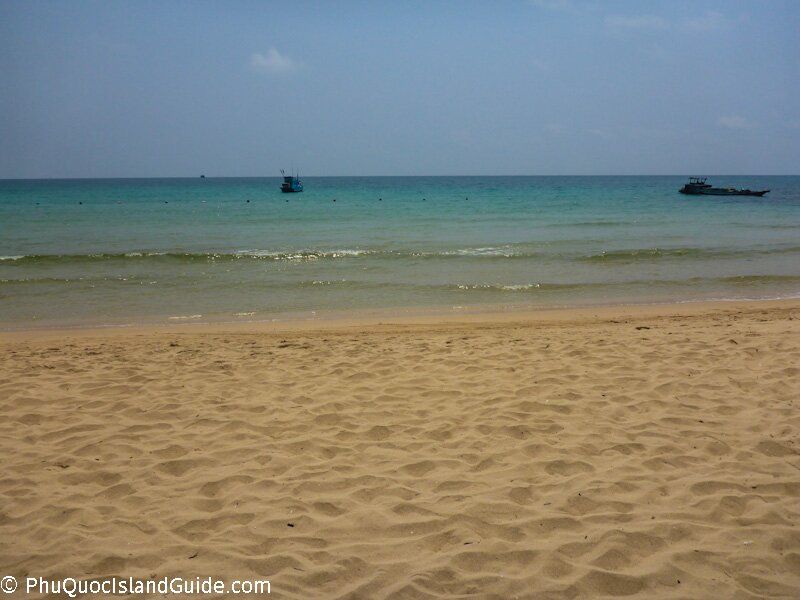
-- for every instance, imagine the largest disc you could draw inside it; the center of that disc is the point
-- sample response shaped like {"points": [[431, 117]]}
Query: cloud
{"points": [[554, 128], [638, 22], [603, 134], [735, 122], [710, 21], [551, 4], [540, 65], [273, 62]]}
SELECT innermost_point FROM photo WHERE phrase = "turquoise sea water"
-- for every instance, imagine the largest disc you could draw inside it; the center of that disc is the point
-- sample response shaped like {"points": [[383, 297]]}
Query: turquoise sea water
{"points": [[162, 250]]}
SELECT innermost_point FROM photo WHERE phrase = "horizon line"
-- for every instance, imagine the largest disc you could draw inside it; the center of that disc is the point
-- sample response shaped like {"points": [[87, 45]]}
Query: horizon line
{"points": [[108, 177]]}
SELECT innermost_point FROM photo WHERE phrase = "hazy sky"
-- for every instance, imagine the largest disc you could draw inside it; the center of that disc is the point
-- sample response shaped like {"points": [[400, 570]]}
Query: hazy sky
{"points": [[140, 89]]}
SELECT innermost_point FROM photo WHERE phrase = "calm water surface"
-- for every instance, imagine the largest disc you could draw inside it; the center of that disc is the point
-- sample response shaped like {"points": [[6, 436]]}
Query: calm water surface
{"points": [[161, 250]]}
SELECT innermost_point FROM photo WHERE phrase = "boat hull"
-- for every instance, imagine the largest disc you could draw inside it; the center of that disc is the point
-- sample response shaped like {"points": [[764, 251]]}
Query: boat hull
{"points": [[710, 191]]}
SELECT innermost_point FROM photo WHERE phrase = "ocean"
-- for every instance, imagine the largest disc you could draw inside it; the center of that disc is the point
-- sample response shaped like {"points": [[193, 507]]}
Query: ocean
{"points": [[148, 251]]}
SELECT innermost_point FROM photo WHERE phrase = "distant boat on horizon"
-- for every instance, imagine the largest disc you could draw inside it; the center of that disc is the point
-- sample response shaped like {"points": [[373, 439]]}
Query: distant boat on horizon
{"points": [[291, 183], [697, 186]]}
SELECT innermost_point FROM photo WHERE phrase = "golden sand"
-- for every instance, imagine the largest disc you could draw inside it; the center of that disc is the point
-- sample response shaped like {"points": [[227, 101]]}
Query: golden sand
{"points": [[645, 453]]}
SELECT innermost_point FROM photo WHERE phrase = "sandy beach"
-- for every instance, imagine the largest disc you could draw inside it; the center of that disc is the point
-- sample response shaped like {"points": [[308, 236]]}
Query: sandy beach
{"points": [[646, 452]]}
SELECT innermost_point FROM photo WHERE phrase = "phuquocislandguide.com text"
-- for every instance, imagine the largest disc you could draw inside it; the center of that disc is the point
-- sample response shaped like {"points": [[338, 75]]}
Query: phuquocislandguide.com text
{"points": [[111, 586]]}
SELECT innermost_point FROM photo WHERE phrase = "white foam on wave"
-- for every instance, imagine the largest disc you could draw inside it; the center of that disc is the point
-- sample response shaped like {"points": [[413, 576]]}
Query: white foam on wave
{"points": [[504, 251], [299, 255], [509, 288], [521, 287], [183, 317]]}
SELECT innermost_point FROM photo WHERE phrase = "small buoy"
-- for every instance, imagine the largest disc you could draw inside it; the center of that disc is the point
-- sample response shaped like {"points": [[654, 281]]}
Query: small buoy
{"points": [[334, 199], [248, 201]]}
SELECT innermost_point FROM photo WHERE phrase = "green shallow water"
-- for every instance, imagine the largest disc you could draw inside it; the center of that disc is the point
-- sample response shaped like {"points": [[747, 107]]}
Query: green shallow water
{"points": [[152, 250]]}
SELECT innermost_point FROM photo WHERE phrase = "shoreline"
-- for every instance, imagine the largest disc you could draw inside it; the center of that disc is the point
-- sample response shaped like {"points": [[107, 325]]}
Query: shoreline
{"points": [[461, 316]]}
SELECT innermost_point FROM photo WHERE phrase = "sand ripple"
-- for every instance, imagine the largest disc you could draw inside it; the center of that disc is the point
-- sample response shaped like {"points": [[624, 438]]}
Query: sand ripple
{"points": [[645, 458]]}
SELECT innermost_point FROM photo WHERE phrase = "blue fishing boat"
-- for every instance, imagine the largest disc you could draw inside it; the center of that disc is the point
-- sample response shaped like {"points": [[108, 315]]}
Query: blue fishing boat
{"points": [[291, 183]]}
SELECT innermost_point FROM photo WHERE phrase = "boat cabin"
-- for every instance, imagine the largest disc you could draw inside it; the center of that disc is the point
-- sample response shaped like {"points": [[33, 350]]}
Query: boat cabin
{"points": [[291, 183]]}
